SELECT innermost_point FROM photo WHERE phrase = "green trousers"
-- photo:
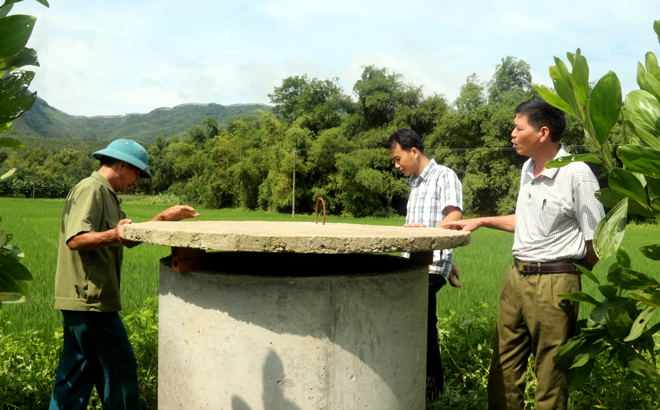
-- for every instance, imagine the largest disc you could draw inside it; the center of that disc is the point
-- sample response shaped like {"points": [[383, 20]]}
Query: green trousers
{"points": [[532, 320]]}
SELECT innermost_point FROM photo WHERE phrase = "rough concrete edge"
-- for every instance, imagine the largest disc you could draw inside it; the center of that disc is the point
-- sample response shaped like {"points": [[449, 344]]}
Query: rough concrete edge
{"points": [[308, 244]]}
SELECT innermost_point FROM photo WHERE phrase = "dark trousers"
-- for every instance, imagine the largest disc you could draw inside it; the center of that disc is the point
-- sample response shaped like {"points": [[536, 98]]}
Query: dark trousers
{"points": [[96, 352], [433, 360]]}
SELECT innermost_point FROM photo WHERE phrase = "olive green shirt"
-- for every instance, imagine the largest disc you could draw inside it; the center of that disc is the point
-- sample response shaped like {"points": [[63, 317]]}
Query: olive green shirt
{"points": [[89, 280]]}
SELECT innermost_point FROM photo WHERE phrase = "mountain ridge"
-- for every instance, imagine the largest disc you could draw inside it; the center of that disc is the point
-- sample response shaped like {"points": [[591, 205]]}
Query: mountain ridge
{"points": [[47, 121]]}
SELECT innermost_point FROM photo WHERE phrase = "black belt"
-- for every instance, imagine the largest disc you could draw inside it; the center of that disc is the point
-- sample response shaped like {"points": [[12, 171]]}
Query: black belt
{"points": [[545, 267]]}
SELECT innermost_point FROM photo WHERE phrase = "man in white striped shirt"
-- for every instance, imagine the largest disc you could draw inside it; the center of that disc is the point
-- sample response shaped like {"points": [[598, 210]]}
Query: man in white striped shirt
{"points": [[436, 195], [556, 215]]}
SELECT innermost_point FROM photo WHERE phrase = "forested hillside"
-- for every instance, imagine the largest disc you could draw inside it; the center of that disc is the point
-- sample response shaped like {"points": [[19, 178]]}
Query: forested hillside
{"points": [[334, 138], [49, 122]]}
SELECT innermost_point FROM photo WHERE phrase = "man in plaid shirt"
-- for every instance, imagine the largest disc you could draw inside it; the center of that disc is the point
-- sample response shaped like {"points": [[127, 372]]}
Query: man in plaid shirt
{"points": [[436, 196]]}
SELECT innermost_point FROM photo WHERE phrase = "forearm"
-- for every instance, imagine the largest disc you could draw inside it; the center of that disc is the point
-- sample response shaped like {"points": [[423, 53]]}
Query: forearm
{"points": [[503, 223], [591, 258], [453, 215], [90, 241]]}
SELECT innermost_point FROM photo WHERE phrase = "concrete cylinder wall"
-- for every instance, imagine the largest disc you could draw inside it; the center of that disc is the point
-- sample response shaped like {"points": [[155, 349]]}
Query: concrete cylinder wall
{"points": [[293, 332]]}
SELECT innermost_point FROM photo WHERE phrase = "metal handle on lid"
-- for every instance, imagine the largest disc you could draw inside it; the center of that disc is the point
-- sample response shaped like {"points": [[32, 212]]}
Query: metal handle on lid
{"points": [[317, 210]]}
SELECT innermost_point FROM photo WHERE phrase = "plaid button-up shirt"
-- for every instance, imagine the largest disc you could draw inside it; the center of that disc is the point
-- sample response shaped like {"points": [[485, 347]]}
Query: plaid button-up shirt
{"points": [[436, 188]]}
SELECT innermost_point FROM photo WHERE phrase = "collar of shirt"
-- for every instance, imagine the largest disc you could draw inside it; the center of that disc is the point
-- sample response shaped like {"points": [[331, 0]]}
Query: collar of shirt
{"points": [[548, 172], [415, 180], [105, 183]]}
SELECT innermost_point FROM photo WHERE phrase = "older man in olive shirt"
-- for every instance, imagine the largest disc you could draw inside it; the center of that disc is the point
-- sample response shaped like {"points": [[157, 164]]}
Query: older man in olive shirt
{"points": [[96, 349]]}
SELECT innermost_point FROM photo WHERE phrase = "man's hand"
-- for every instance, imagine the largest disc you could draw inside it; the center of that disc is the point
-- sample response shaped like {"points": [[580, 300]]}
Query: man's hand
{"points": [[415, 225], [176, 213], [454, 277], [119, 230], [468, 225]]}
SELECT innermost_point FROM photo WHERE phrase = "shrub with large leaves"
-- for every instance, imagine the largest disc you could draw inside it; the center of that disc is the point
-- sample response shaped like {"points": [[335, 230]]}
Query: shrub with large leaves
{"points": [[15, 99], [617, 328]]}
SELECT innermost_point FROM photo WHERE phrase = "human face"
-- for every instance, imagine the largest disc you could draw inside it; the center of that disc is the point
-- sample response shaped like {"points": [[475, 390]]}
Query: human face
{"points": [[524, 137], [405, 161], [129, 176]]}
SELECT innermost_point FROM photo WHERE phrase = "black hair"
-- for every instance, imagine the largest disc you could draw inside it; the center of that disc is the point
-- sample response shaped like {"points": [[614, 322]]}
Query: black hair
{"points": [[407, 139], [541, 114], [108, 161]]}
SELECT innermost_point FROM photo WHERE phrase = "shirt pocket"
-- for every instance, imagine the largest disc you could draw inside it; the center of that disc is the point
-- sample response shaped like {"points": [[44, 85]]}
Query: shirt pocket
{"points": [[551, 217]]}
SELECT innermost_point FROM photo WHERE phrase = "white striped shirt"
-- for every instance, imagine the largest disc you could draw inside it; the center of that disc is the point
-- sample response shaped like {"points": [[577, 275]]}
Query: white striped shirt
{"points": [[556, 212], [436, 188]]}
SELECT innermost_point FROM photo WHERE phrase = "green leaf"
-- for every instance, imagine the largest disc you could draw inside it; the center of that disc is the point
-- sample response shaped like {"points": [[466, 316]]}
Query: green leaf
{"points": [[586, 272], [650, 251], [16, 270], [610, 198], [639, 159], [641, 79], [553, 99], [651, 299], [618, 323], [608, 290], [11, 297], [642, 367], [630, 279], [27, 56], [653, 84], [651, 61], [15, 98], [15, 31], [9, 284], [653, 185], [7, 174], [599, 313], [579, 375], [628, 184], [622, 258], [656, 28], [561, 79], [580, 78], [10, 142], [568, 159], [605, 106], [579, 297], [644, 110], [610, 230], [640, 323]]}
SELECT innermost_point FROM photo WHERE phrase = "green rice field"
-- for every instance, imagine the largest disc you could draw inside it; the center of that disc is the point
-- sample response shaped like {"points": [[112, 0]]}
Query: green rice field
{"points": [[35, 225]]}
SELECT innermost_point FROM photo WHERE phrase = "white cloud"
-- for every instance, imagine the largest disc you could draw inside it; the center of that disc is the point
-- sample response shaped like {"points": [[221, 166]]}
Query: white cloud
{"points": [[126, 56]]}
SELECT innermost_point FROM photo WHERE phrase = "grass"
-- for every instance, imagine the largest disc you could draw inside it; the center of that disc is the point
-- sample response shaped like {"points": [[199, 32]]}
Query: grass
{"points": [[35, 224], [466, 314]]}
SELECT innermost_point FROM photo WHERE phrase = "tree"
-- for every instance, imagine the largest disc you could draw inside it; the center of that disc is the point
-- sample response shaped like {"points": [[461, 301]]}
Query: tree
{"points": [[380, 94], [511, 75], [314, 104], [15, 99]]}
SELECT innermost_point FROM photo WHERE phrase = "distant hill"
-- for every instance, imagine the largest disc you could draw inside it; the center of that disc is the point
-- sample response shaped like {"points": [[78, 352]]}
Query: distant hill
{"points": [[49, 122]]}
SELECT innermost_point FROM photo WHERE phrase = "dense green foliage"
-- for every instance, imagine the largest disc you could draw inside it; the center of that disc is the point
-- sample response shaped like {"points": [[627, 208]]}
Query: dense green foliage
{"points": [[15, 99], [334, 141], [617, 330], [48, 122], [28, 361]]}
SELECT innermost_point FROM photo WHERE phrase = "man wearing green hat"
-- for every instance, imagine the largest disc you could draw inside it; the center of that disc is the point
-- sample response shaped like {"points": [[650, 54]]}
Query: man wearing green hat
{"points": [[96, 350]]}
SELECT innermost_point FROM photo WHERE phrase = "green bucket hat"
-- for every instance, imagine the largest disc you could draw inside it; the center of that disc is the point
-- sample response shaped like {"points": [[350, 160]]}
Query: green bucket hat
{"points": [[127, 151]]}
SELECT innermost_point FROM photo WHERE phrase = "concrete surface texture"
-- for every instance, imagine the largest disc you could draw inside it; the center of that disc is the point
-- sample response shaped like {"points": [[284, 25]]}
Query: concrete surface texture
{"points": [[300, 237], [285, 331]]}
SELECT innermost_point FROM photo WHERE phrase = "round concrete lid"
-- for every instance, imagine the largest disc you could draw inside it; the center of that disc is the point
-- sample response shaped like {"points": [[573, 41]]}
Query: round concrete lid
{"points": [[300, 237]]}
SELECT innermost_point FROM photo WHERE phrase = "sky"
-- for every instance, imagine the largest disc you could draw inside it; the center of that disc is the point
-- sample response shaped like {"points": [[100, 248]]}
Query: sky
{"points": [[133, 56]]}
